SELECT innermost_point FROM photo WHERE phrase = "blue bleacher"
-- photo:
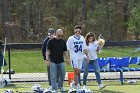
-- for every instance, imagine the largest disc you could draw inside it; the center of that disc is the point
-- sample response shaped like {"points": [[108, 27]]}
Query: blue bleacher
{"points": [[134, 60], [116, 64]]}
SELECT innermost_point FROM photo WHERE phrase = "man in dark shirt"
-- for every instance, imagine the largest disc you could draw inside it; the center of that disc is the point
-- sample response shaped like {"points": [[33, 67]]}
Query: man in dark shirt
{"points": [[54, 56], [51, 34], [0, 47], [2, 57]]}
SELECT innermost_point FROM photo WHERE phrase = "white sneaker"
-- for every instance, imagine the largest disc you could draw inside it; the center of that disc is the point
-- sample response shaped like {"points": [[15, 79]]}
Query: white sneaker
{"points": [[84, 87], [86, 90], [54, 91], [101, 86], [50, 88], [78, 87], [62, 89], [72, 91], [72, 84]]}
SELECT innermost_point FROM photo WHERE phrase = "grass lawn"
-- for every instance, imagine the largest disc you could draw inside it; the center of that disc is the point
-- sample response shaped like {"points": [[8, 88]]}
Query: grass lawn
{"points": [[28, 61], [31, 61], [112, 87]]}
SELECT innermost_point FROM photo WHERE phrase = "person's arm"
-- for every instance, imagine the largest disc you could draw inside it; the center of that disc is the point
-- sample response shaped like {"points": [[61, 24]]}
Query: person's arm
{"points": [[67, 57], [99, 49], [44, 48], [47, 53], [0, 47], [86, 50], [47, 61], [66, 53], [69, 44], [100, 44]]}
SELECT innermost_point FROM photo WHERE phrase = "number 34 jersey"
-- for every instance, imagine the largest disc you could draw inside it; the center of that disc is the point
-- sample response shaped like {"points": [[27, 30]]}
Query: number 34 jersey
{"points": [[76, 47]]}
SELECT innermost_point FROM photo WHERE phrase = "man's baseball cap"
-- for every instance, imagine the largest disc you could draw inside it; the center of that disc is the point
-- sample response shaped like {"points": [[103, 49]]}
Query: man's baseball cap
{"points": [[51, 30]]}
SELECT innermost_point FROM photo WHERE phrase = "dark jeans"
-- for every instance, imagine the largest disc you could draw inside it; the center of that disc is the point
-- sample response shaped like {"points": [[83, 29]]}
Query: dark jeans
{"points": [[0, 69], [48, 70], [1, 60]]}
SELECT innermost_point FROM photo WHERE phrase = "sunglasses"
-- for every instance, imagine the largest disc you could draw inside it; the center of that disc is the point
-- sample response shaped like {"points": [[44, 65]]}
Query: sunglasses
{"points": [[77, 31], [60, 35]]}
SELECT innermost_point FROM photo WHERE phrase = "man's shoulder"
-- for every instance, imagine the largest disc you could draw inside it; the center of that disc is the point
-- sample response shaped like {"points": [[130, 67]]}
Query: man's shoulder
{"points": [[81, 36], [63, 40], [51, 40], [46, 39], [71, 37]]}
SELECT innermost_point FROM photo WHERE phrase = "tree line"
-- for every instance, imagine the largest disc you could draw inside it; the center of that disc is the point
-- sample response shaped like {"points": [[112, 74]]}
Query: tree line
{"points": [[29, 20]]}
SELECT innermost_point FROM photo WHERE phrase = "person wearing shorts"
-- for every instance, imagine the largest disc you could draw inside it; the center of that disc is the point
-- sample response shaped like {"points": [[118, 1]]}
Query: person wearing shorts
{"points": [[77, 47]]}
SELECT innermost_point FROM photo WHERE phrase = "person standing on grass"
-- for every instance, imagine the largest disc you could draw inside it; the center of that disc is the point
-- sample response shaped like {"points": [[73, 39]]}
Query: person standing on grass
{"points": [[77, 47], [93, 47], [56, 48], [1, 57], [51, 34]]}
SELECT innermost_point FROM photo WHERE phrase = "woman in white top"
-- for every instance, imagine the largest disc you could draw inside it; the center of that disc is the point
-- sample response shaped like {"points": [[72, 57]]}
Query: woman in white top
{"points": [[93, 47]]}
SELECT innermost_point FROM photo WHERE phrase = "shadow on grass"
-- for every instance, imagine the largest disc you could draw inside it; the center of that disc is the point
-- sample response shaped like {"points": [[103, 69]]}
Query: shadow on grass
{"points": [[125, 84], [106, 91], [114, 83], [10, 86], [102, 91], [14, 86]]}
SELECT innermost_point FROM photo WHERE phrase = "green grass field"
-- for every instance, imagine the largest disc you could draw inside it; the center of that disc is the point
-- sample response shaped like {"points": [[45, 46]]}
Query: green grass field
{"points": [[28, 61], [112, 87]]}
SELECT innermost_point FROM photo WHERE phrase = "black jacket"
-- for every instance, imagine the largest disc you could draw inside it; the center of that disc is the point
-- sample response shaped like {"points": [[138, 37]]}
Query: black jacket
{"points": [[44, 46]]}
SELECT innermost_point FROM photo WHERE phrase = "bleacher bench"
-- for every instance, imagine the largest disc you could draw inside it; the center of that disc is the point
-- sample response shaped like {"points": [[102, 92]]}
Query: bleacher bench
{"points": [[116, 64]]}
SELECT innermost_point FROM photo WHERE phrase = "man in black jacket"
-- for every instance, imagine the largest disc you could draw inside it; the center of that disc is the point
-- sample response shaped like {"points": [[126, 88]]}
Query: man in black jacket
{"points": [[51, 34], [1, 57]]}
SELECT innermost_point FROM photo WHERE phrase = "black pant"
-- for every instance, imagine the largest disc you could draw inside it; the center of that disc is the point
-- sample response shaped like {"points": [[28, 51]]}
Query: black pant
{"points": [[1, 60]]}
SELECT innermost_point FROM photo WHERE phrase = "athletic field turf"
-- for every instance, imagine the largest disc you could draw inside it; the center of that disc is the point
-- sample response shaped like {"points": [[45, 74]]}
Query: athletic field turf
{"points": [[112, 87]]}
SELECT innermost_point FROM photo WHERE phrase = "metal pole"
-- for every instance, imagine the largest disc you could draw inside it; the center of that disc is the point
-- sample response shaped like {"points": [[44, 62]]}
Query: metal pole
{"points": [[9, 60]]}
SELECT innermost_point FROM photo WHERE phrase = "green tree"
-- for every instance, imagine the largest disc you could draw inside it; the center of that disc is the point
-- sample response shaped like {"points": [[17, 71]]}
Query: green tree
{"points": [[134, 21]]}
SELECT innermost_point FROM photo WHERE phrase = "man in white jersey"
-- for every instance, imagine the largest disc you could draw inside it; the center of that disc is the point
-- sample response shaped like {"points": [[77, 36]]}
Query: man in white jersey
{"points": [[77, 48]]}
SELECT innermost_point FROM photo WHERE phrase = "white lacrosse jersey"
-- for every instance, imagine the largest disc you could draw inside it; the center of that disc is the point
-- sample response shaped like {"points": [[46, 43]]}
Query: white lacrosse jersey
{"points": [[76, 47]]}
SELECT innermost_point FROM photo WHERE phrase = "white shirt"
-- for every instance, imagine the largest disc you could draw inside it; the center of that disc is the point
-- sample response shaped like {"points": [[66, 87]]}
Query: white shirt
{"points": [[92, 48], [76, 47]]}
